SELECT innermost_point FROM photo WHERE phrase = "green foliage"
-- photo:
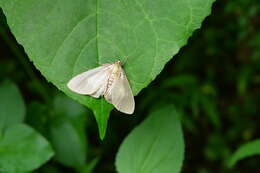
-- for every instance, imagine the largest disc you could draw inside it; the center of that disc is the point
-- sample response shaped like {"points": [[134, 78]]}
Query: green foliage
{"points": [[155, 146], [213, 82], [11, 105], [249, 149], [21, 147], [68, 132], [64, 125], [66, 38], [88, 168]]}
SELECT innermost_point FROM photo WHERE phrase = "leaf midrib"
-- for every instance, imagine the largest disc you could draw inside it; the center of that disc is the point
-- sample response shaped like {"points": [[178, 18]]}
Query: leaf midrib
{"points": [[97, 31]]}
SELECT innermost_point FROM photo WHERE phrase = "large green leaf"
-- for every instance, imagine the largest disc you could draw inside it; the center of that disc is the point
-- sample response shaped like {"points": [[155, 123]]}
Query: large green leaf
{"points": [[22, 149], [155, 146], [12, 108], [66, 37], [246, 150]]}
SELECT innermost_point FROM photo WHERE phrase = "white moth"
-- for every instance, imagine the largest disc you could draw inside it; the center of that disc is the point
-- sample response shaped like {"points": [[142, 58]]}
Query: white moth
{"points": [[108, 80]]}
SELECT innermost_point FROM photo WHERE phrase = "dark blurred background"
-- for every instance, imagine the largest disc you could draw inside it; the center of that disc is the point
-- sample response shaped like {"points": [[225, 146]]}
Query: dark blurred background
{"points": [[214, 82]]}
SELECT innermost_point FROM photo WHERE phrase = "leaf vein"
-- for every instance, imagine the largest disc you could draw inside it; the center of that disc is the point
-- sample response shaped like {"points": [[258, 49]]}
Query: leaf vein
{"points": [[67, 36], [80, 53], [148, 18]]}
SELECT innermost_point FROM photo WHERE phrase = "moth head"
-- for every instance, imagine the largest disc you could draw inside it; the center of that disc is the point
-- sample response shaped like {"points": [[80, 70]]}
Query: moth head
{"points": [[118, 63]]}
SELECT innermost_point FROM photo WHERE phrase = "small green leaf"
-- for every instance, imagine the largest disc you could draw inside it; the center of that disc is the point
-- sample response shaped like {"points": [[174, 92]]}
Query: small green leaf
{"points": [[23, 149], [65, 126], [246, 150], [12, 108], [69, 147], [156, 145], [65, 38], [68, 131]]}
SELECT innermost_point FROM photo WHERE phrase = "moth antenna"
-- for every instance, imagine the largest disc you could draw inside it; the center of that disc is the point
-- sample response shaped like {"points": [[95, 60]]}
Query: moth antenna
{"points": [[125, 60]]}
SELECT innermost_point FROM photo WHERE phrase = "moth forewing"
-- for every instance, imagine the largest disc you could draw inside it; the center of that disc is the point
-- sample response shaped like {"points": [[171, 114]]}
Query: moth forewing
{"points": [[91, 82], [121, 95]]}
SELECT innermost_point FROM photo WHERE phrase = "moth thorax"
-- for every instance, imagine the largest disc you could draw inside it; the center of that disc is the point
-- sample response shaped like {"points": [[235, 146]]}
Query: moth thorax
{"points": [[111, 79], [116, 68]]}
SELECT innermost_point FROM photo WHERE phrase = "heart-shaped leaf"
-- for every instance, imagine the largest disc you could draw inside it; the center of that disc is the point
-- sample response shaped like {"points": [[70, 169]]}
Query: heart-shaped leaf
{"points": [[66, 37], [155, 146]]}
